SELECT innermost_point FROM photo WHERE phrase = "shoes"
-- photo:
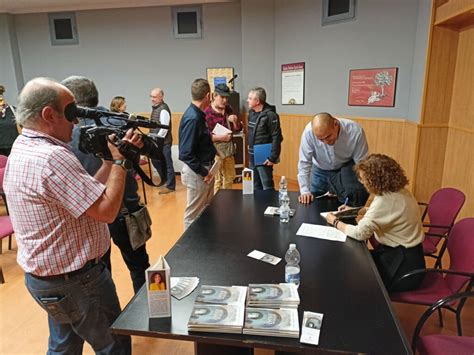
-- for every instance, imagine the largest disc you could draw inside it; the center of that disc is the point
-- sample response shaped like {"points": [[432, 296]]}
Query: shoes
{"points": [[166, 191]]}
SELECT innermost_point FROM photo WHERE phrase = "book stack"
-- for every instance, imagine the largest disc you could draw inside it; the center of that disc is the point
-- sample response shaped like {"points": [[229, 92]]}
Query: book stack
{"points": [[284, 295], [272, 322], [272, 310], [218, 309]]}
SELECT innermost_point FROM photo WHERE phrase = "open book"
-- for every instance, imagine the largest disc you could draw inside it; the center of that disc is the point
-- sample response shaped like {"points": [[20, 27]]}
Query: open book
{"points": [[346, 214]]}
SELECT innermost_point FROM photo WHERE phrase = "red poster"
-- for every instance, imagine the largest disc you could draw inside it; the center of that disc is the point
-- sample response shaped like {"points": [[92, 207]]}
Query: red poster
{"points": [[372, 87]]}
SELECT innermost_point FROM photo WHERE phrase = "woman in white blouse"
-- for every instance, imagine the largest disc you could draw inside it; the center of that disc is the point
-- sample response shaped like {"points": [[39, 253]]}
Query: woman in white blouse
{"points": [[393, 218]]}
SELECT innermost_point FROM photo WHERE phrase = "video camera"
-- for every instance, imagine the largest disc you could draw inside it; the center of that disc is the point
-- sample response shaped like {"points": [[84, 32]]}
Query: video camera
{"points": [[93, 138]]}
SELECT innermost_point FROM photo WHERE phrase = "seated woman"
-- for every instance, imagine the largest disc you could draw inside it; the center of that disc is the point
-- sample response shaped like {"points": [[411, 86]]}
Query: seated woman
{"points": [[393, 218]]}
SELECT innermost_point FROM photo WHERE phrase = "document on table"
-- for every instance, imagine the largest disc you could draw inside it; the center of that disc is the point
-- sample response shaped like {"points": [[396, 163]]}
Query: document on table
{"points": [[321, 232], [268, 258]]}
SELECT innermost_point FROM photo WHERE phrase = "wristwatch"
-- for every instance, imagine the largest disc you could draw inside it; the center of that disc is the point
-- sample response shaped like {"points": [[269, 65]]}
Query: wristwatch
{"points": [[124, 163]]}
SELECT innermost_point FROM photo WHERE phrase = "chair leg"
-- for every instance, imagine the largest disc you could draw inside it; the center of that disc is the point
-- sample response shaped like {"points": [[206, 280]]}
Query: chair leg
{"points": [[440, 316], [10, 242], [144, 192], [2, 279]]}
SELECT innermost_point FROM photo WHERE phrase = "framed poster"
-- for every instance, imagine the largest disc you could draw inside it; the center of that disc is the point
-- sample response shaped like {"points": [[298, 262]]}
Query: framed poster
{"points": [[217, 76], [292, 84], [372, 87]]}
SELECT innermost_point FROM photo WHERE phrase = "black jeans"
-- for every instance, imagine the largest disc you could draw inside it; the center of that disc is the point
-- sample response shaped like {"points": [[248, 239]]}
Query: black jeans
{"points": [[137, 261], [393, 263]]}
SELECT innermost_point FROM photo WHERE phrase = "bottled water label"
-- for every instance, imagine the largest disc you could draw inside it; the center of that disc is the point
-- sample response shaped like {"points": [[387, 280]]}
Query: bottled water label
{"points": [[292, 275]]}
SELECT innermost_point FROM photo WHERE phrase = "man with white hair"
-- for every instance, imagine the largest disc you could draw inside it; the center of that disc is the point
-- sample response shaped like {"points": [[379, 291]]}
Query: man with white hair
{"points": [[60, 214]]}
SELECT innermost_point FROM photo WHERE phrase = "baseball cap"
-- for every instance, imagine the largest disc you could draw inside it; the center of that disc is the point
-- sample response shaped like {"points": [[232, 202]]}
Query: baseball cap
{"points": [[222, 90]]}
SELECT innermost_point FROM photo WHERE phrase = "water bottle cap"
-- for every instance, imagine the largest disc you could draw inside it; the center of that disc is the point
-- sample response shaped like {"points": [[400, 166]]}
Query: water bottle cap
{"points": [[292, 246]]}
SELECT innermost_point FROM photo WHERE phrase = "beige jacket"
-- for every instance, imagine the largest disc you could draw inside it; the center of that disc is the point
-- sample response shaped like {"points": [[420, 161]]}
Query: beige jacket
{"points": [[394, 218]]}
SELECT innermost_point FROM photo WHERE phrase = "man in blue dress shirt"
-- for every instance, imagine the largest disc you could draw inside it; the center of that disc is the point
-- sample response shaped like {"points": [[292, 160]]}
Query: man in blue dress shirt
{"points": [[327, 145], [197, 152]]}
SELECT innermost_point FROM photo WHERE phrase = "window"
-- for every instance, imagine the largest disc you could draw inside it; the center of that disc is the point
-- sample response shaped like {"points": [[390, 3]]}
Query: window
{"points": [[335, 11], [187, 22], [62, 28]]}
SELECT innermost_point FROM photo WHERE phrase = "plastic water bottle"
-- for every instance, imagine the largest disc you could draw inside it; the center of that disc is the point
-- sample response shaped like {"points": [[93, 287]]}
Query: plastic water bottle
{"points": [[283, 189], [285, 209], [292, 268]]}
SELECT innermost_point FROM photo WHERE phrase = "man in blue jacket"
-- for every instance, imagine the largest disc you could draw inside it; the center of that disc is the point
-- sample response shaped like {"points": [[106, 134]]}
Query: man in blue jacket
{"points": [[197, 152], [263, 128]]}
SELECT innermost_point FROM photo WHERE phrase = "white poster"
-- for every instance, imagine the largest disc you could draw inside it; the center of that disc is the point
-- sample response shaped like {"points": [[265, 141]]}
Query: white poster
{"points": [[292, 84]]}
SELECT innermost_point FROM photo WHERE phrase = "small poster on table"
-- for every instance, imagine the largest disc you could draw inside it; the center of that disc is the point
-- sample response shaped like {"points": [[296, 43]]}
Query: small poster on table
{"points": [[158, 289], [247, 181]]}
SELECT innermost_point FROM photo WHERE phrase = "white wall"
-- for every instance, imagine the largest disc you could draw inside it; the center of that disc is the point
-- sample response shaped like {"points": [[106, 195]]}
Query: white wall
{"points": [[130, 51], [384, 34], [11, 75]]}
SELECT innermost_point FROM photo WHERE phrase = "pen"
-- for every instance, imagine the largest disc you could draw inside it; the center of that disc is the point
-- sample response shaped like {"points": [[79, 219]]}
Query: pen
{"points": [[346, 201]]}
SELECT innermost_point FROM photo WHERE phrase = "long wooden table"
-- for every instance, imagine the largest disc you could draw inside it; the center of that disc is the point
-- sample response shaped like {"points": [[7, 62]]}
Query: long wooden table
{"points": [[339, 280]]}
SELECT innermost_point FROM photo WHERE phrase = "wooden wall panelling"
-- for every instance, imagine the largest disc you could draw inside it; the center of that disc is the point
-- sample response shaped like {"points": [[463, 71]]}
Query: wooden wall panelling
{"points": [[459, 166], [430, 161], [454, 13], [439, 87], [292, 127], [462, 106]]}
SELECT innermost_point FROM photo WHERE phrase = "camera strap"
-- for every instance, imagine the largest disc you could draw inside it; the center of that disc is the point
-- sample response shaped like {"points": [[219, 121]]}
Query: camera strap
{"points": [[143, 175]]}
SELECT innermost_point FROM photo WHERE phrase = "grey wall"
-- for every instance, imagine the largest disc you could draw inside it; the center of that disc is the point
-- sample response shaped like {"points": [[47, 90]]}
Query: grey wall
{"points": [[130, 51], [11, 74], [386, 33]]}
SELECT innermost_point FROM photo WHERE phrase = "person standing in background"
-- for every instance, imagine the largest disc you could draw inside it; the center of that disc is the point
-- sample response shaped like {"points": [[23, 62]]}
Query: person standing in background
{"points": [[8, 127], [197, 152], [220, 112], [161, 114], [118, 104], [263, 128]]}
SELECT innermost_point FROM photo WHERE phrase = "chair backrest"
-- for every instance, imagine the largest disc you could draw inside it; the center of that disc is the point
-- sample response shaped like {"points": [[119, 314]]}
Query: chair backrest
{"points": [[443, 209], [3, 161], [424, 317], [461, 252]]}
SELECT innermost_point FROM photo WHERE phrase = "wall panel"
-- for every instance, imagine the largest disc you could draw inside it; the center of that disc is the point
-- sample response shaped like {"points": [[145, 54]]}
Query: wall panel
{"points": [[459, 166]]}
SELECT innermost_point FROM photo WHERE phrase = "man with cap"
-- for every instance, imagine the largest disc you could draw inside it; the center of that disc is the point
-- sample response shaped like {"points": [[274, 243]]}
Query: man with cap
{"points": [[220, 112]]}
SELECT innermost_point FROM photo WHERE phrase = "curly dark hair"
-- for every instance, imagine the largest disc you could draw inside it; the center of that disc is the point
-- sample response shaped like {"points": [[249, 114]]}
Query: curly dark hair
{"points": [[382, 174]]}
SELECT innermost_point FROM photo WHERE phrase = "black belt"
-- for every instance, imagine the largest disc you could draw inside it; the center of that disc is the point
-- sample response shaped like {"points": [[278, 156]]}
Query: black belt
{"points": [[66, 276]]}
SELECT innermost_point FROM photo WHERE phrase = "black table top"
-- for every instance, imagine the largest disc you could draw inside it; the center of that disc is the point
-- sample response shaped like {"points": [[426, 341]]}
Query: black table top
{"points": [[337, 279]]}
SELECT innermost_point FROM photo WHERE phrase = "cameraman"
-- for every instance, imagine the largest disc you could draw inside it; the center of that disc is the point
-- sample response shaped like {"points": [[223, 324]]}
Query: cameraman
{"points": [[137, 261], [59, 213]]}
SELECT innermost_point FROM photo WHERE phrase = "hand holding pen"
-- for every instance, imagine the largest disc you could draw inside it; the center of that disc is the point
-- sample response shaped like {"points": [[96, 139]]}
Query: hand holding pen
{"points": [[343, 206]]}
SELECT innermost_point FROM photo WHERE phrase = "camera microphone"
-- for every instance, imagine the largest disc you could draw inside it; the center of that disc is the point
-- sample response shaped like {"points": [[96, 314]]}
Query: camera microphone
{"points": [[72, 111], [231, 80]]}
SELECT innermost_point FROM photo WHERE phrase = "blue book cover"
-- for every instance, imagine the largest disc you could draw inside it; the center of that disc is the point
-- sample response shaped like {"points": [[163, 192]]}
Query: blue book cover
{"points": [[261, 152]]}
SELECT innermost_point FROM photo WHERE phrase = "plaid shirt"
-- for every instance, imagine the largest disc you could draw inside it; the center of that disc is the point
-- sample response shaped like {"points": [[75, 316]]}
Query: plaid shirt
{"points": [[48, 192], [213, 117]]}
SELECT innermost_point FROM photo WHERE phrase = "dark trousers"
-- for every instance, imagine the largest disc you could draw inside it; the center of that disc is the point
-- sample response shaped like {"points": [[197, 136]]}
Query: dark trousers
{"points": [[137, 261], [165, 168], [393, 263]]}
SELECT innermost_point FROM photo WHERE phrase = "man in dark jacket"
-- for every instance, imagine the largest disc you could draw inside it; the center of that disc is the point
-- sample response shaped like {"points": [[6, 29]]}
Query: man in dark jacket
{"points": [[197, 153], [263, 128]]}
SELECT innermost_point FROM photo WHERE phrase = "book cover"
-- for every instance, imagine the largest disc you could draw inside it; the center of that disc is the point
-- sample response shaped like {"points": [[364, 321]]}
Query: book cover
{"points": [[158, 289], [222, 294]]}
